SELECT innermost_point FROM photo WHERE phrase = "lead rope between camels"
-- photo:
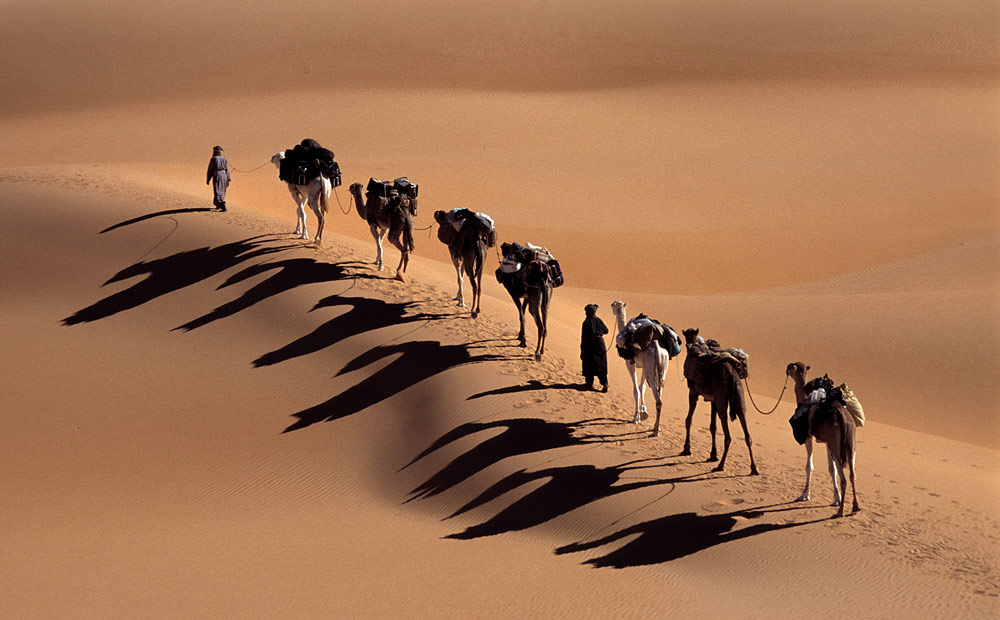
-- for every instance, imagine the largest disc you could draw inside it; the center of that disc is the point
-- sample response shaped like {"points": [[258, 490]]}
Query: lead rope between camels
{"points": [[775, 404]]}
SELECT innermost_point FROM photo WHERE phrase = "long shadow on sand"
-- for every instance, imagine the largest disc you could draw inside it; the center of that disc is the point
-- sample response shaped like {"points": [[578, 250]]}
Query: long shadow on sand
{"points": [[564, 489], [519, 436], [365, 314], [416, 361], [289, 274], [531, 386], [149, 216], [676, 536], [170, 274]]}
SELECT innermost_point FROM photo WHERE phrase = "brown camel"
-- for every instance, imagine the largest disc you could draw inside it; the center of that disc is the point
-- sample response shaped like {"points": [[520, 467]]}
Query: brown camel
{"points": [[467, 247], [830, 423], [392, 216], [530, 287], [717, 382]]}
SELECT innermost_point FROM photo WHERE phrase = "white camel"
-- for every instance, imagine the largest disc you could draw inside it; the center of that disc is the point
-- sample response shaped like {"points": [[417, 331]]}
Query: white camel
{"points": [[652, 361], [316, 193]]}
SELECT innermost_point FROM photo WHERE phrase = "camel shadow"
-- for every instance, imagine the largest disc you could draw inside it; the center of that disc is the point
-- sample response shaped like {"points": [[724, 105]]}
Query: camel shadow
{"points": [[519, 436], [412, 362], [563, 490], [170, 274], [149, 216], [289, 274], [531, 386], [675, 536], [364, 315]]}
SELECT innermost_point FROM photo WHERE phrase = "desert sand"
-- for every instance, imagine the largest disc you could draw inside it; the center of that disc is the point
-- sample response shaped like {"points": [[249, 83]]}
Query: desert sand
{"points": [[209, 418]]}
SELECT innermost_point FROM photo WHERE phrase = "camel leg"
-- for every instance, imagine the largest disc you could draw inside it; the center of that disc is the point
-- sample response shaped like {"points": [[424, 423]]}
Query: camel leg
{"points": [[636, 419], [378, 235], [643, 412], [832, 464], [322, 221], [714, 455], [809, 470], [300, 212], [854, 493], [656, 384], [477, 290], [460, 298], [522, 304], [540, 325], [692, 403], [544, 313], [722, 413], [843, 482], [404, 259], [746, 434]]}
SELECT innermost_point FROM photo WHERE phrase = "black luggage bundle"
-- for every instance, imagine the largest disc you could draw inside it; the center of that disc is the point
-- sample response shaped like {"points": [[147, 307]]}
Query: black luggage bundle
{"points": [[306, 161], [402, 186]]}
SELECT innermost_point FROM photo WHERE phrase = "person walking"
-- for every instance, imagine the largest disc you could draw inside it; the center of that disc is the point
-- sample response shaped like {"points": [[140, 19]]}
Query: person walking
{"points": [[593, 352], [218, 175]]}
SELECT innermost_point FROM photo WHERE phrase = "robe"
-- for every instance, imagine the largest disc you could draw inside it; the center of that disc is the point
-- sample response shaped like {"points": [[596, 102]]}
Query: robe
{"points": [[218, 175], [593, 351]]}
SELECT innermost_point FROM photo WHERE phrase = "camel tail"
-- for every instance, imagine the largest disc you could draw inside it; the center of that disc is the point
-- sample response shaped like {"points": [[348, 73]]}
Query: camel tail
{"points": [[846, 434], [324, 196], [737, 401]]}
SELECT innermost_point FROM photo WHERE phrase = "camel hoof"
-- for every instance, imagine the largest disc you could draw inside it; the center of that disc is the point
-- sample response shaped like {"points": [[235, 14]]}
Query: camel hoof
{"points": [[855, 509], [802, 498], [522, 343], [636, 420], [538, 357], [712, 459], [754, 472], [685, 452], [654, 433], [475, 314], [836, 503], [461, 303], [304, 236], [717, 468], [400, 276]]}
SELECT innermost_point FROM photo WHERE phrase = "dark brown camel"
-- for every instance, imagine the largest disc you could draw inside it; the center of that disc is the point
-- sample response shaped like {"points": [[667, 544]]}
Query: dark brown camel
{"points": [[530, 288], [718, 383], [467, 247], [393, 216], [833, 425]]}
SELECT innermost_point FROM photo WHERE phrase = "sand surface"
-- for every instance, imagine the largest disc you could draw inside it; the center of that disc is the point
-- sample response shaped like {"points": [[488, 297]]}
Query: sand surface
{"points": [[209, 418]]}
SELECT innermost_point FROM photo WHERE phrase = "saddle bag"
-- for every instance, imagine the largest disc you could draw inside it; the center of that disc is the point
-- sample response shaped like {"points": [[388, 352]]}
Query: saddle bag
{"points": [[557, 274], [379, 188], [405, 187]]}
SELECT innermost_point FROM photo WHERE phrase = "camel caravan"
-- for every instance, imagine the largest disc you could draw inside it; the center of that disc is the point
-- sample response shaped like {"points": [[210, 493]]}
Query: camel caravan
{"points": [[824, 412]]}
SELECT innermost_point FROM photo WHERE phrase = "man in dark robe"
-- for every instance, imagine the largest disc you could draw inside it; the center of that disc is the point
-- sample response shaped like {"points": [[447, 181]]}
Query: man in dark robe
{"points": [[218, 175], [593, 352]]}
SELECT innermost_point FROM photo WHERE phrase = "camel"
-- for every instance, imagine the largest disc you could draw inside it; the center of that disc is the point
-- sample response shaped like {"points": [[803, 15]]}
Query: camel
{"points": [[718, 382], [530, 288], [834, 426], [393, 216], [316, 193], [468, 250], [652, 363]]}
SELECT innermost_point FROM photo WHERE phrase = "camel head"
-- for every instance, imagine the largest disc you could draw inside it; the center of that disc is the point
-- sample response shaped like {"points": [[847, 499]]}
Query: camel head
{"points": [[618, 307], [276, 159], [690, 335], [797, 370], [355, 189], [439, 216]]}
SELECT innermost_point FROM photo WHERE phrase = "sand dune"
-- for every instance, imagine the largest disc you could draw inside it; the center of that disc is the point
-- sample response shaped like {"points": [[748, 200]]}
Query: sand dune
{"points": [[208, 418]]}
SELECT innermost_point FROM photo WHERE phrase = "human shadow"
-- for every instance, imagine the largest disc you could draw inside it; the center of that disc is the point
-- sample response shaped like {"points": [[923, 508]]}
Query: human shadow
{"points": [[565, 489], [676, 536], [149, 216], [531, 386], [416, 361], [364, 315], [170, 274], [288, 274], [519, 436]]}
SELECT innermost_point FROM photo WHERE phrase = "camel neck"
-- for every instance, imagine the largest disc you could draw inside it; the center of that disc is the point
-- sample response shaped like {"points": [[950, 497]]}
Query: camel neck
{"points": [[620, 318], [800, 389]]}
